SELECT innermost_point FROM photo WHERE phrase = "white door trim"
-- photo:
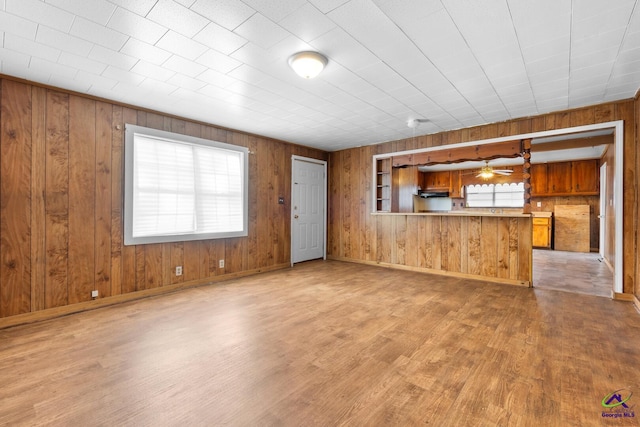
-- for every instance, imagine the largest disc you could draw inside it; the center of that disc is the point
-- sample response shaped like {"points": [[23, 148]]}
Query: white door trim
{"points": [[295, 158], [602, 223], [617, 193]]}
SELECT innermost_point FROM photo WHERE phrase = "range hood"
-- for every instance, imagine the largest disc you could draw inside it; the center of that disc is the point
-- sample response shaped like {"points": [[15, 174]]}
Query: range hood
{"points": [[429, 194]]}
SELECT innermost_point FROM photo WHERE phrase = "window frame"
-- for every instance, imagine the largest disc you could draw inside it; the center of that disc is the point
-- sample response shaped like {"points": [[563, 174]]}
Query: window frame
{"points": [[129, 144], [493, 195]]}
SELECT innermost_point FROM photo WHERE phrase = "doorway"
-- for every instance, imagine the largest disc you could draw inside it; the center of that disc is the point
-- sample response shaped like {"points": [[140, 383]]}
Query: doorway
{"points": [[308, 209]]}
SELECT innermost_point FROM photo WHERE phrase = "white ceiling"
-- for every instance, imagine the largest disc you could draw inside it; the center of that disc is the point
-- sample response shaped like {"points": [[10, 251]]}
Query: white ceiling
{"points": [[458, 63]]}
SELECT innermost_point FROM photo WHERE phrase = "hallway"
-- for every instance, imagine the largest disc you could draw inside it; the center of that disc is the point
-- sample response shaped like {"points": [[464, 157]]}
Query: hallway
{"points": [[576, 272]]}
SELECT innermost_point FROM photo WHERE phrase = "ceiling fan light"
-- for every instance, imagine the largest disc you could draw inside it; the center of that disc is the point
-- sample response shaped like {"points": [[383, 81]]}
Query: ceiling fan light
{"points": [[307, 64]]}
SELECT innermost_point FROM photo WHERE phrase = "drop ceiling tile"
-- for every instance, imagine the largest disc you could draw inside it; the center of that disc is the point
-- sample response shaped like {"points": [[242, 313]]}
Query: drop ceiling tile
{"points": [[188, 83], [254, 56], [19, 26], [144, 51], [59, 70], [123, 76], [184, 66], [554, 16], [94, 80], [172, 15], [97, 34], [55, 38], [181, 45], [136, 26], [227, 13], [275, 10], [186, 3], [97, 11], [30, 47], [216, 78], [307, 23], [343, 49], [40, 12], [140, 7], [148, 69], [14, 59], [56, 80], [220, 39], [261, 31], [217, 61], [595, 71], [326, 6], [111, 57], [157, 87], [82, 63]]}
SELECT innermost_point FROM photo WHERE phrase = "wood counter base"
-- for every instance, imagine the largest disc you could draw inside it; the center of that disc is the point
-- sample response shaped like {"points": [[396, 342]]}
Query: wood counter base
{"points": [[433, 271], [483, 246]]}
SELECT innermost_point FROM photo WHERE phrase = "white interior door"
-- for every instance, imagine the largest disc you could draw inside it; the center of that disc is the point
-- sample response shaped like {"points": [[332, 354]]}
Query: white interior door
{"points": [[603, 209], [308, 209]]}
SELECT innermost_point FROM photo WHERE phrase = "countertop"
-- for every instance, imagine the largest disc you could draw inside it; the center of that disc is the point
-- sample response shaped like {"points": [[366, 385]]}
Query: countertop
{"points": [[458, 213]]}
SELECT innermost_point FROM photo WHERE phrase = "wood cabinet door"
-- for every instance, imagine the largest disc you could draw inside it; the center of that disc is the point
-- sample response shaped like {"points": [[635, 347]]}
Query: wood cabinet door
{"points": [[539, 179], [541, 232], [439, 180], [559, 178], [456, 184], [585, 176]]}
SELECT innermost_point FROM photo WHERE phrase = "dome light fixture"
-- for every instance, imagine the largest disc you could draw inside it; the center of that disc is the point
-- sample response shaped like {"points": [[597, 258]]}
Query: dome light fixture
{"points": [[307, 64]]}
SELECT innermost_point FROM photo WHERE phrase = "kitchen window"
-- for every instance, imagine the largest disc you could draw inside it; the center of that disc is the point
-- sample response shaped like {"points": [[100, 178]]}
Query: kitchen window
{"points": [[495, 195]]}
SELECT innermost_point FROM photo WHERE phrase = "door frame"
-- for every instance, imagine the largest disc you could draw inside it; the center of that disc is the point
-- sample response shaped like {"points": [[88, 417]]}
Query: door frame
{"points": [[296, 158], [603, 210]]}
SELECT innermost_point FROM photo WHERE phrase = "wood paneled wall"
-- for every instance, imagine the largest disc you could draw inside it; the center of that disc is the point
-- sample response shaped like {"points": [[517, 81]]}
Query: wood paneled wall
{"points": [[61, 201], [356, 234]]}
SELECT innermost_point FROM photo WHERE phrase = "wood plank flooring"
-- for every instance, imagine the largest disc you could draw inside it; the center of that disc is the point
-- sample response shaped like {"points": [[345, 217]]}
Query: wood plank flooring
{"points": [[577, 272], [327, 343]]}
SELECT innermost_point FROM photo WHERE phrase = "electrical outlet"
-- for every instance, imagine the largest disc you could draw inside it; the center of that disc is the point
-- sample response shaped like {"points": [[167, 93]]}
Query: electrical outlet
{"points": [[221, 263], [94, 294], [539, 204], [179, 270]]}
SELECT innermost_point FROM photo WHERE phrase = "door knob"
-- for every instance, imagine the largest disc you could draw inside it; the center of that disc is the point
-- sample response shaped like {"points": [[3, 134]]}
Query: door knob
{"points": [[295, 216]]}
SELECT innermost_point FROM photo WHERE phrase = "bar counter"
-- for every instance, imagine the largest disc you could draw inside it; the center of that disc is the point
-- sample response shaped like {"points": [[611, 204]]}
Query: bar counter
{"points": [[495, 247]]}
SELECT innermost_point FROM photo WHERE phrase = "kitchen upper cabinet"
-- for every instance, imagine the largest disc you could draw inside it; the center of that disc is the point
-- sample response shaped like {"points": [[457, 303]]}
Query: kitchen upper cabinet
{"points": [[456, 184], [581, 177], [440, 181], [585, 177], [559, 178], [539, 179]]}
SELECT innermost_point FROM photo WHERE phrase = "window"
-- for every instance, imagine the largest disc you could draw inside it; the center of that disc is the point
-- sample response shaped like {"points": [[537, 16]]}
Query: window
{"points": [[495, 195], [180, 188]]}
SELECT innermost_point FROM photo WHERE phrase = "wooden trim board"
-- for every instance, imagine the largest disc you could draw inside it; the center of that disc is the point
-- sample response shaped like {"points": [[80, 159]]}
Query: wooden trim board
{"points": [[51, 313]]}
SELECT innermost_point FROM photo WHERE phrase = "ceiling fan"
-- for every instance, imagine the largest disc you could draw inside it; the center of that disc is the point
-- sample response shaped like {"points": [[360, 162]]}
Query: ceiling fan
{"points": [[487, 171]]}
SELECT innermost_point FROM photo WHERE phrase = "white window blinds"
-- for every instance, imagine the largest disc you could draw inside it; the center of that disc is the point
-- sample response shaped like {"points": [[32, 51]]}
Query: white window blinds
{"points": [[183, 189], [495, 195]]}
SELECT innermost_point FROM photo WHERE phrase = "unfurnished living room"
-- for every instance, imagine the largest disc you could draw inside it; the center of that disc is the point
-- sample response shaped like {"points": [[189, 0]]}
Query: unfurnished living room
{"points": [[319, 212]]}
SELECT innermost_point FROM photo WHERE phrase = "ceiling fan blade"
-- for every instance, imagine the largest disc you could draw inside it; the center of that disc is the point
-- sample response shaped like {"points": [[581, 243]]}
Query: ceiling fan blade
{"points": [[503, 172]]}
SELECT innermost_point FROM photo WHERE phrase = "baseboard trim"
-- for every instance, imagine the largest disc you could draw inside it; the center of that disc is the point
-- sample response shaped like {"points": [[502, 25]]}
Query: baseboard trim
{"points": [[434, 271], [52, 313], [624, 297]]}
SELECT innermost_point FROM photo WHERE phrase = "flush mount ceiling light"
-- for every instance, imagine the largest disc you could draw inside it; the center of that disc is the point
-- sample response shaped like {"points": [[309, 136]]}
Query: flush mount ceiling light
{"points": [[307, 64]]}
